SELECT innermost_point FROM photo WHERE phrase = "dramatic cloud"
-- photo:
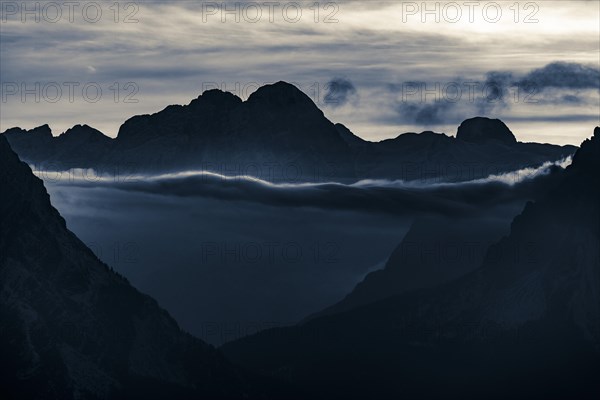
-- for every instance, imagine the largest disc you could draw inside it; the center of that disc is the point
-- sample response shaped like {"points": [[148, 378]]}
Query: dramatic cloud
{"points": [[557, 92], [495, 92], [555, 83], [426, 114], [562, 75], [399, 198], [339, 91]]}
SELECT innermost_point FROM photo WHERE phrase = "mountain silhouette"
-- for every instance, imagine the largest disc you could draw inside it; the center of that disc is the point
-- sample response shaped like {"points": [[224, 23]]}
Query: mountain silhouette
{"points": [[279, 134], [435, 250], [483, 130], [37, 144], [525, 324], [74, 329], [278, 128]]}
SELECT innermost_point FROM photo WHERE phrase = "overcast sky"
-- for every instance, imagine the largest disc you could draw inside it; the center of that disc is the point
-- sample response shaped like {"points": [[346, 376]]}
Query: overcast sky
{"points": [[380, 68]]}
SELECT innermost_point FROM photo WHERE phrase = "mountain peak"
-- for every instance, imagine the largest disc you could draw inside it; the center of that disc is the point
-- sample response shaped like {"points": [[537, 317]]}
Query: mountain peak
{"points": [[484, 130], [82, 131], [217, 98], [80, 126], [588, 155], [42, 131], [280, 94]]}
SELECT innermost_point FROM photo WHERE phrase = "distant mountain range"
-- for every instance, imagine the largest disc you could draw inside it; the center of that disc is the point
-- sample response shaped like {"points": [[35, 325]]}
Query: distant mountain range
{"points": [[278, 134], [71, 328], [523, 324]]}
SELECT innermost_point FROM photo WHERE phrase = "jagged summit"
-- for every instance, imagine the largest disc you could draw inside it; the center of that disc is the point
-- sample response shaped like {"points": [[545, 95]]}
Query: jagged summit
{"points": [[588, 155], [82, 133], [42, 131], [216, 98], [483, 130]]}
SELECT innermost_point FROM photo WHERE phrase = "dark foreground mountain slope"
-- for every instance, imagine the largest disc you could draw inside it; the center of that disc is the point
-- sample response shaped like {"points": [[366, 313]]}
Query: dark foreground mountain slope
{"points": [[526, 325], [70, 328], [279, 134]]}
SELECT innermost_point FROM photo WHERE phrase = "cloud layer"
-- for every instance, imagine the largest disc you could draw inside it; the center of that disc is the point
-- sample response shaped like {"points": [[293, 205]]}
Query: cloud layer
{"points": [[398, 198]]}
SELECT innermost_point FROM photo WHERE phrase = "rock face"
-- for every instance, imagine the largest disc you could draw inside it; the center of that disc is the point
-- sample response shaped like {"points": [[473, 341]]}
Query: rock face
{"points": [[71, 328], [525, 324], [484, 130]]}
